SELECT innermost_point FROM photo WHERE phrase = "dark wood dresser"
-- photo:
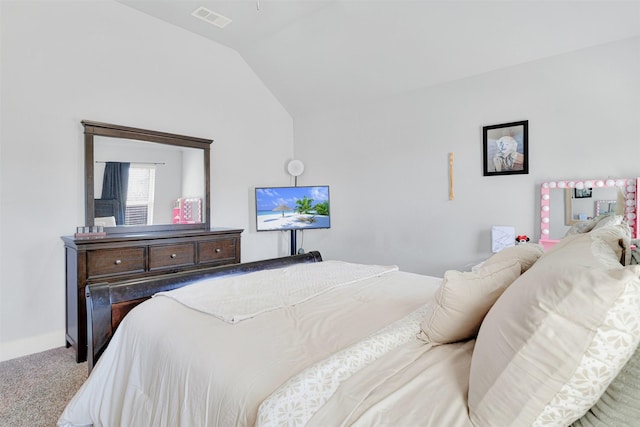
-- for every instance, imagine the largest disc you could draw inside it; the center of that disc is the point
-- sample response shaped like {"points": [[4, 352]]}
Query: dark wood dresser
{"points": [[128, 256]]}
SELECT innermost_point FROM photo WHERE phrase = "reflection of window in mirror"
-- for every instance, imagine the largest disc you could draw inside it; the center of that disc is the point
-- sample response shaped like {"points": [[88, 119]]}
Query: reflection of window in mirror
{"points": [[140, 194]]}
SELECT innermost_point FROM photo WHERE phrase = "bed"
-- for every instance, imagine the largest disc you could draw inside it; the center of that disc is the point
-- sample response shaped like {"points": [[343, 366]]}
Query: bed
{"points": [[529, 338]]}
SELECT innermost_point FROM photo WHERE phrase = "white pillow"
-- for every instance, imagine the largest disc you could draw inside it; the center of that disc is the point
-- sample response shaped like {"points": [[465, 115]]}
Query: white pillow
{"points": [[463, 299], [105, 221], [525, 253], [553, 342], [607, 220], [606, 247], [620, 403]]}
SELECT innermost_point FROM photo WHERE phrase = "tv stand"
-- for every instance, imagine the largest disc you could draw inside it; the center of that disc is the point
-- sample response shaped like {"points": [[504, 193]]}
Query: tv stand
{"points": [[294, 244]]}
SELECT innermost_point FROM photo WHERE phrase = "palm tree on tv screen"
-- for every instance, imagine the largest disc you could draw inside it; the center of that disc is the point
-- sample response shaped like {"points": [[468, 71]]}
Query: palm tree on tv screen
{"points": [[322, 208], [304, 205]]}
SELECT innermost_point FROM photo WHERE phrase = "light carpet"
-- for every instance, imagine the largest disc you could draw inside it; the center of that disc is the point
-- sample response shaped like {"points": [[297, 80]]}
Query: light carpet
{"points": [[35, 389]]}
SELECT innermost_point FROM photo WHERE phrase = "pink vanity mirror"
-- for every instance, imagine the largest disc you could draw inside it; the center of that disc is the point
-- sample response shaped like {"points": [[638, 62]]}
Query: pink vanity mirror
{"points": [[565, 203]]}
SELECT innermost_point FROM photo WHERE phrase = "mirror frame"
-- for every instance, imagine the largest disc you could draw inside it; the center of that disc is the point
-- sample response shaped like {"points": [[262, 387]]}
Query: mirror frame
{"points": [[93, 129], [627, 184]]}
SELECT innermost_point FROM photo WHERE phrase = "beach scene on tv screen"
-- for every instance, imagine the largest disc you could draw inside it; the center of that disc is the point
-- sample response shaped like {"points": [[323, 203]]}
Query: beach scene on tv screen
{"points": [[286, 208]]}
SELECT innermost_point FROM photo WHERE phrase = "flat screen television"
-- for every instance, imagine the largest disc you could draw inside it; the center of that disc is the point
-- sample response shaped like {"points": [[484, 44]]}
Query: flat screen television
{"points": [[292, 208]]}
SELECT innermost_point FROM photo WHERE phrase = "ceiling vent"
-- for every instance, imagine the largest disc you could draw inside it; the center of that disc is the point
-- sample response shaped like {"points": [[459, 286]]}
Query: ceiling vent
{"points": [[211, 17]]}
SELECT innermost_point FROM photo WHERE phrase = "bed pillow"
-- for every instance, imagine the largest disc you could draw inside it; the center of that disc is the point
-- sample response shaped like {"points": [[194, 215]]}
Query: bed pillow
{"points": [[552, 343], [598, 222], [463, 299], [105, 221], [526, 254], [620, 403], [605, 247], [607, 220], [581, 227]]}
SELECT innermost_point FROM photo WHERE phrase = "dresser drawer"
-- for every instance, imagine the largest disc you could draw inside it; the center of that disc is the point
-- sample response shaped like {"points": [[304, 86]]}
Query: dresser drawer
{"points": [[128, 256], [216, 250], [165, 256], [103, 262]]}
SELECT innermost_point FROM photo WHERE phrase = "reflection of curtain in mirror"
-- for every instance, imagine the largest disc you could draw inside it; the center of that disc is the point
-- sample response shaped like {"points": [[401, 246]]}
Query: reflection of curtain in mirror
{"points": [[114, 186]]}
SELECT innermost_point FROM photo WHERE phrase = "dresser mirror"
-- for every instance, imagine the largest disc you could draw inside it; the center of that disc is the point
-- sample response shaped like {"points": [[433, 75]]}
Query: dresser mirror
{"points": [[566, 203], [139, 180]]}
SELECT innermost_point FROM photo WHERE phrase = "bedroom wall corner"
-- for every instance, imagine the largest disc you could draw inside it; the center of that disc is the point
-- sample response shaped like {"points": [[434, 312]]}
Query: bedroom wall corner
{"points": [[63, 62]]}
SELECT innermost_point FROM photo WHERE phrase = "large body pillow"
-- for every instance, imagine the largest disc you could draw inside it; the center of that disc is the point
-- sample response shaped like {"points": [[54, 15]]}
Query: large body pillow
{"points": [[602, 248], [620, 403], [557, 337]]}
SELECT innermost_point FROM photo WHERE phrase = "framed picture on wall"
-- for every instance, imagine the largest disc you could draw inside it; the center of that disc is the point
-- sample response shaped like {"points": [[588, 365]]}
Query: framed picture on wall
{"points": [[582, 193], [505, 149]]}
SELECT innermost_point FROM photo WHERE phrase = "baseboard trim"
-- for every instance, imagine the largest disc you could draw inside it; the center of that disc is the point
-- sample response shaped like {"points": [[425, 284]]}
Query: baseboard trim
{"points": [[36, 344]]}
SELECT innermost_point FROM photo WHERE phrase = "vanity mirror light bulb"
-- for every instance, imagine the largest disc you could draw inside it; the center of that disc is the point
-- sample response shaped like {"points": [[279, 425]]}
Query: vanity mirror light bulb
{"points": [[545, 220], [579, 185], [552, 184], [545, 197], [599, 184], [545, 208], [545, 231]]}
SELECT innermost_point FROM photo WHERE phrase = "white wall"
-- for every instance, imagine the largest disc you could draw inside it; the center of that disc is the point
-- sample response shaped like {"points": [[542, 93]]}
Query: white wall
{"points": [[387, 161], [192, 173], [65, 61]]}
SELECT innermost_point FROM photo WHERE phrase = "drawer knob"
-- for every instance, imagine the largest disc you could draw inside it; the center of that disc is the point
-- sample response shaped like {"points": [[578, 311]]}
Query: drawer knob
{"points": [[118, 262], [173, 255], [218, 250]]}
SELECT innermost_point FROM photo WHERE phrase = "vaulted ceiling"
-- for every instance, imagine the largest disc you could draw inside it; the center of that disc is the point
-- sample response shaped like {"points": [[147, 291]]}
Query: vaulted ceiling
{"points": [[318, 54]]}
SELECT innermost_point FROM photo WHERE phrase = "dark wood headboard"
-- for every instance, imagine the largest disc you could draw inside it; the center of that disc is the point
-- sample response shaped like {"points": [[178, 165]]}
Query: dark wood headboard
{"points": [[108, 303]]}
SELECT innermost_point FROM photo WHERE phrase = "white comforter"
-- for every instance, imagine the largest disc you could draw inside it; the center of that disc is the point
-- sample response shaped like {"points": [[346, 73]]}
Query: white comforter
{"points": [[237, 298], [171, 365]]}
